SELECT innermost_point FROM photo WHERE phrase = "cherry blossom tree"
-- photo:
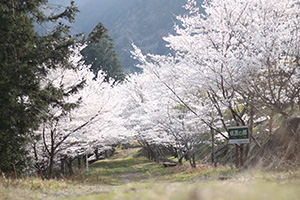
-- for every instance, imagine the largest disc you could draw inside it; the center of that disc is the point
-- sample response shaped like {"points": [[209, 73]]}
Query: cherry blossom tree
{"points": [[81, 124], [173, 105], [242, 55]]}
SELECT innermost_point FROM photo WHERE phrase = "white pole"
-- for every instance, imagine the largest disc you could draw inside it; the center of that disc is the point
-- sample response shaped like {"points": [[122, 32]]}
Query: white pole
{"points": [[231, 157], [87, 162]]}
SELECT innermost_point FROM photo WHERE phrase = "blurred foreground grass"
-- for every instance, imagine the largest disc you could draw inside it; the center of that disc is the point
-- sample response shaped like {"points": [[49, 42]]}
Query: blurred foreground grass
{"points": [[197, 191], [126, 176]]}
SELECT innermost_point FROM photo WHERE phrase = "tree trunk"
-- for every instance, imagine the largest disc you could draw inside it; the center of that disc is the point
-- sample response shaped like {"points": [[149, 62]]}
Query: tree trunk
{"points": [[237, 158], [79, 162], [63, 166], [97, 154], [241, 155], [174, 152], [113, 151], [193, 160], [212, 146], [37, 165], [70, 168], [271, 123], [85, 158], [155, 156], [180, 160], [251, 123], [52, 154], [51, 164]]}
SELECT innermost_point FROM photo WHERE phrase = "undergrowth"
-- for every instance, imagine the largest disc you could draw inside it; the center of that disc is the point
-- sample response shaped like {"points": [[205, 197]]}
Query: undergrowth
{"points": [[33, 183]]}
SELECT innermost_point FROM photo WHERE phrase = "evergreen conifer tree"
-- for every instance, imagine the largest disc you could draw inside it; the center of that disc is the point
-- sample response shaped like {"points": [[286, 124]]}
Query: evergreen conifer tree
{"points": [[25, 58], [101, 55]]}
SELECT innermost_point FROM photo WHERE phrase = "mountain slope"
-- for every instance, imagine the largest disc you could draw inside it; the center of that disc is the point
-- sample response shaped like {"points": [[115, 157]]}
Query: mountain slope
{"points": [[145, 24], [142, 22]]}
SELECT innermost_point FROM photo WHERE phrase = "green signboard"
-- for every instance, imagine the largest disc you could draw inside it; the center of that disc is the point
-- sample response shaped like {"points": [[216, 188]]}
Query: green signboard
{"points": [[238, 135]]}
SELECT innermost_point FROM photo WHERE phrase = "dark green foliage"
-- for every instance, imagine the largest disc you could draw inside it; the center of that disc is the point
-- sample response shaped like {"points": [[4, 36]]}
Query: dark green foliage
{"points": [[101, 55], [25, 58]]}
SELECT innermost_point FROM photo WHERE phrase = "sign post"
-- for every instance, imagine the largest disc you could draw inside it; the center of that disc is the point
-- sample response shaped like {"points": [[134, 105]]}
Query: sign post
{"points": [[238, 135]]}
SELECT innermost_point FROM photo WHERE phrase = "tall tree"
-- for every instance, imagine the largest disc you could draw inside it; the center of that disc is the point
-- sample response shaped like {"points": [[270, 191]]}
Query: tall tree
{"points": [[101, 55], [25, 58]]}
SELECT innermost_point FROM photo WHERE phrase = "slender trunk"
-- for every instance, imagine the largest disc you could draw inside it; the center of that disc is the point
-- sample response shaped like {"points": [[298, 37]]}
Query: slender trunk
{"points": [[251, 123], [147, 151], [180, 160], [190, 161], [271, 123], [113, 151], [87, 162], [155, 156], [161, 152], [70, 168], [212, 146], [149, 155], [37, 165], [52, 154], [79, 162], [193, 160], [85, 157], [237, 158], [241, 155], [180, 157], [96, 154], [15, 171], [174, 152], [63, 166], [187, 156], [51, 164], [190, 158]]}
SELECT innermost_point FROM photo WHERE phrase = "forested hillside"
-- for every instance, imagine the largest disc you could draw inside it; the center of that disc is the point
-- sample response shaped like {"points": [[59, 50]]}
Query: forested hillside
{"points": [[139, 21], [144, 24]]}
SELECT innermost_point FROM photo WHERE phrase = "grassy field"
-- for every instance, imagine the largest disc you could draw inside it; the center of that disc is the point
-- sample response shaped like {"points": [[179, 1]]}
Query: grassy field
{"points": [[128, 177]]}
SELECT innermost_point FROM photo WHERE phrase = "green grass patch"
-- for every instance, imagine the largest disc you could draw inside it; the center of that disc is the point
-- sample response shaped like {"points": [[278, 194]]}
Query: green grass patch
{"points": [[117, 171], [127, 168], [127, 176]]}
